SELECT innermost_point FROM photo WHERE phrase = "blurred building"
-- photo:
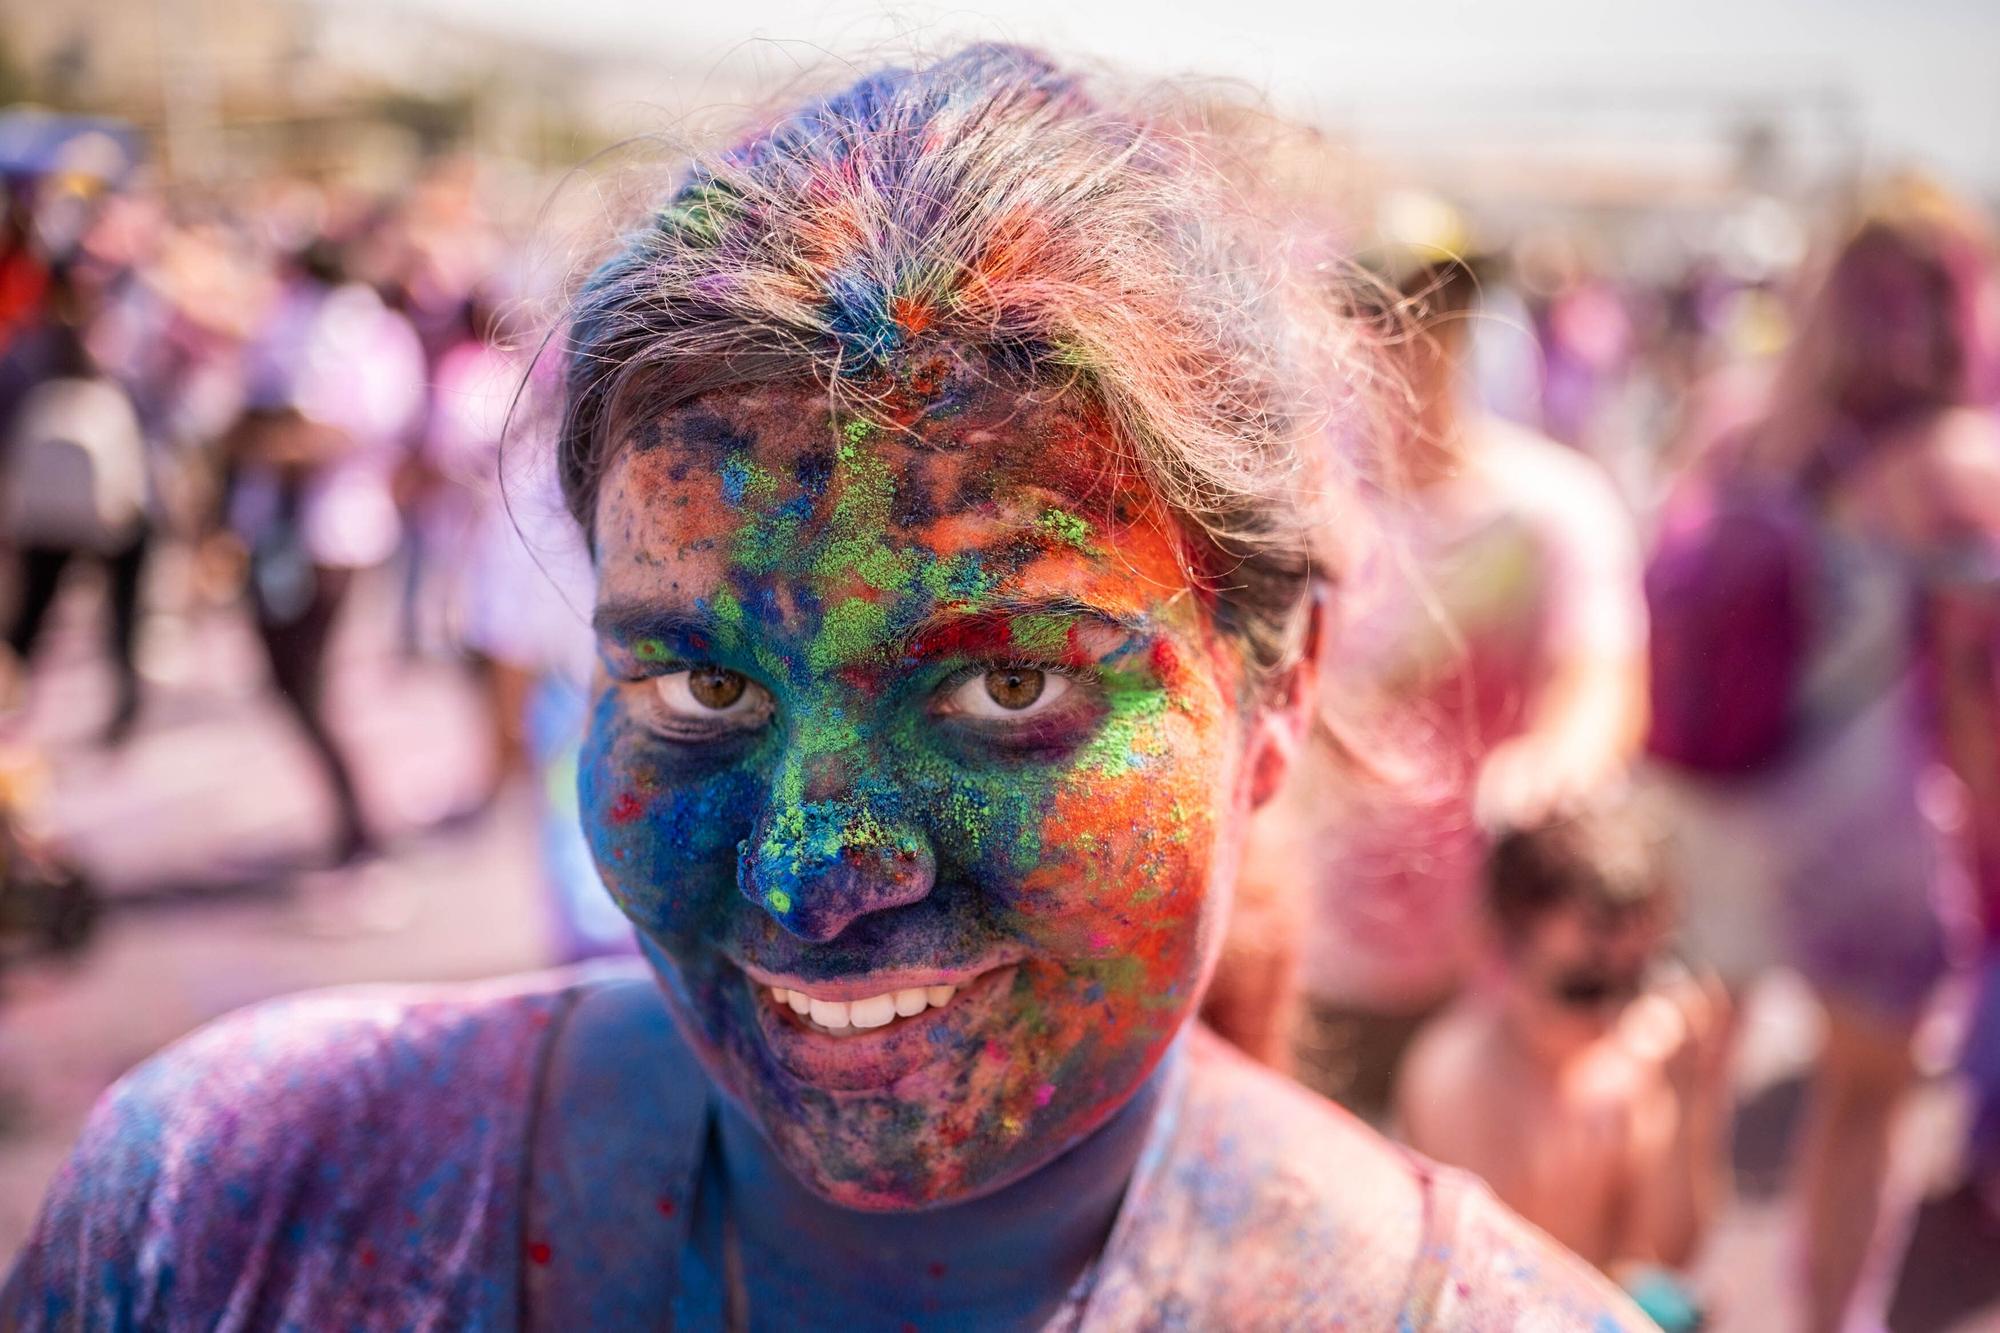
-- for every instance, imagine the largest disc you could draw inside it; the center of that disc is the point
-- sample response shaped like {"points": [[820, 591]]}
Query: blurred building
{"points": [[232, 89]]}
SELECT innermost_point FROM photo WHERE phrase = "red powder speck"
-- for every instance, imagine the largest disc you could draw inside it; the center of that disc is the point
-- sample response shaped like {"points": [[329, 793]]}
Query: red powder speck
{"points": [[666, 1207], [937, 1268], [1099, 941], [1043, 1093], [540, 1252], [914, 316], [626, 808], [367, 1256], [996, 1052], [1165, 663]]}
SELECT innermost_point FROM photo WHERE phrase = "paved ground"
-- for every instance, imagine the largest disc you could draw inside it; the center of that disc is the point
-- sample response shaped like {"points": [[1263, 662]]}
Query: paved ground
{"points": [[197, 826]]}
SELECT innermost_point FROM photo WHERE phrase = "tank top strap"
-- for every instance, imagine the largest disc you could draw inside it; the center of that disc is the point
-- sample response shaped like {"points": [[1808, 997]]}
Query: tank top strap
{"points": [[621, 1123]]}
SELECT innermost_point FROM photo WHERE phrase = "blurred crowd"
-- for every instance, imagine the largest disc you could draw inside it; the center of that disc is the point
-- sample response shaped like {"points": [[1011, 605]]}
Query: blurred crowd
{"points": [[293, 404], [264, 400]]}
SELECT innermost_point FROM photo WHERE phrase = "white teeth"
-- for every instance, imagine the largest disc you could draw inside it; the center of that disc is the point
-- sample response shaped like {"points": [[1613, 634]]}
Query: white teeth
{"points": [[874, 1012]]}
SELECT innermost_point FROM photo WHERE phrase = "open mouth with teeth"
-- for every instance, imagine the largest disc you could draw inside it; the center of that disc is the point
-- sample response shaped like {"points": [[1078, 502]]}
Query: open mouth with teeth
{"points": [[840, 1018], [858, 1042]]}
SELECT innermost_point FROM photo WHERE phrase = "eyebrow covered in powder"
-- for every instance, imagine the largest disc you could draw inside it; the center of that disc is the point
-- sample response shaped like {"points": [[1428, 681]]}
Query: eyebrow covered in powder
{"points": [[685, 628]]}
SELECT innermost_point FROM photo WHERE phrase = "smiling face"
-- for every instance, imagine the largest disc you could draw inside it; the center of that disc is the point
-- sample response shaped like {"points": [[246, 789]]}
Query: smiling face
{"points": [[919, 766]]}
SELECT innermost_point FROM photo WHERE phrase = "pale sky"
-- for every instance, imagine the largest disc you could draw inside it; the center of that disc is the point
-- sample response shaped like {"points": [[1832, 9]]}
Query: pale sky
{"points": [[1922, 77]]}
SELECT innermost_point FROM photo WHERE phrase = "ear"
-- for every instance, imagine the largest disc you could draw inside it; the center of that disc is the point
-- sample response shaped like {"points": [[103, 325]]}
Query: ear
{"points": [[1281, 728]]}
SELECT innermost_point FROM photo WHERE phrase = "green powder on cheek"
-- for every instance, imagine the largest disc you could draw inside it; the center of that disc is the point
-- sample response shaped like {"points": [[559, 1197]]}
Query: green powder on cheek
{"points": [[1129, 733]]}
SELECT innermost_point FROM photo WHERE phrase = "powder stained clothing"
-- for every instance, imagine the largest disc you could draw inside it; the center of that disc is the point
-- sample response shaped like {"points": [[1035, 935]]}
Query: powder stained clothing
{"points": [[360, 1160], [1526, 559], [1838, 859]]}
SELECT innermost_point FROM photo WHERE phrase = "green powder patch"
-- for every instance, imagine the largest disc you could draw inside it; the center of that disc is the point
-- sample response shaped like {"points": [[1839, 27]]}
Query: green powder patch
{"points": [[856, 537], [1066, 528], [702, 213], [1040, 633], [745, 481], [650, 650], [761, 543], [958, 578], [828, 735], [1123, 742], [855, 434], [849, 632]]}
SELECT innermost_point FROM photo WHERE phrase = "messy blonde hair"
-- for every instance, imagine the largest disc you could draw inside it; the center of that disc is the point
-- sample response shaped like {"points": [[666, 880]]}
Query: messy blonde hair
{"points": [[1116, 247]]}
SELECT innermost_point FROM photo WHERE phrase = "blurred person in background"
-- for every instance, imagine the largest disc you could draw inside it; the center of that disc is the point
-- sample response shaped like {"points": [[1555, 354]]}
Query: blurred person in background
{"points": [[334, 383], [1580, 1073], [1507, 634], [1826, 595], [519, 598], [76, 486], [24, 269]]}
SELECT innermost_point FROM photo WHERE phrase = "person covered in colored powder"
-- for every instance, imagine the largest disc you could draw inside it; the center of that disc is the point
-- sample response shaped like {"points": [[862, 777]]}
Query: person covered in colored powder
{"points": [[1496, 646], [1581, 1074], [949, 451], [1844, 852]]}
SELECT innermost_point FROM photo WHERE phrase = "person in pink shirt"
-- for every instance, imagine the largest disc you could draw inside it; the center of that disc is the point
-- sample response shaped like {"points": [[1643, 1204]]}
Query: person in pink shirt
{"points": [[1500, 627]]}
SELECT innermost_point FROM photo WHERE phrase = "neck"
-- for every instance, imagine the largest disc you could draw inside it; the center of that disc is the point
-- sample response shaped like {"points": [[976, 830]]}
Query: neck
{"points": [[1007, 1258]]}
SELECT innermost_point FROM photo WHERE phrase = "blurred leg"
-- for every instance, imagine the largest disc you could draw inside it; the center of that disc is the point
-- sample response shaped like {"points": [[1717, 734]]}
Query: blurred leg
{"points": [[124, 572], [1864, 1072], [41, 576], [1980, 1062], [297, 652]]}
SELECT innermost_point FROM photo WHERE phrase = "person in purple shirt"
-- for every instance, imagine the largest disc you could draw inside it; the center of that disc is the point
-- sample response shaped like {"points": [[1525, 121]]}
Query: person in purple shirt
{"points": [[955, 455]]}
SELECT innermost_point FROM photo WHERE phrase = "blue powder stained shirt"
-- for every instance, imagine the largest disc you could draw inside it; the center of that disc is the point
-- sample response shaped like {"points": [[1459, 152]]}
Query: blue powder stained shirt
{"points": [[359, 1160]]}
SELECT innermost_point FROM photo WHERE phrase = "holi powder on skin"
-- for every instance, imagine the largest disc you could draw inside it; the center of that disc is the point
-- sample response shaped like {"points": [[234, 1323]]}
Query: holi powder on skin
{"points": [[860, 573]]}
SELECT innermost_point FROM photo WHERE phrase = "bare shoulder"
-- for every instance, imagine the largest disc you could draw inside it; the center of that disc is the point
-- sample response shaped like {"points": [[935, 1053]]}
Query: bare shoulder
{"points": [[1965, 447], [1570, 491], [1443, 1061], [1527, 463]]}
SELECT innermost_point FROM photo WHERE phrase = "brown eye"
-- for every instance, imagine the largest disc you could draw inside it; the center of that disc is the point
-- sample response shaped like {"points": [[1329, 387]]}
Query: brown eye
{"points": [[715, 688], [1015, 688], [1007, 694], [710, 696]]}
